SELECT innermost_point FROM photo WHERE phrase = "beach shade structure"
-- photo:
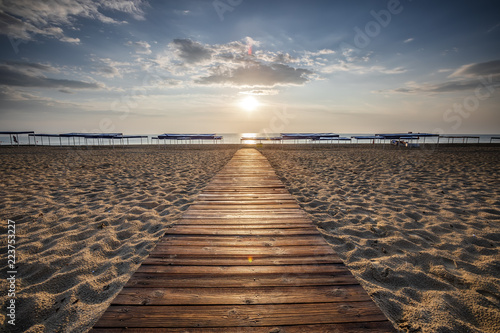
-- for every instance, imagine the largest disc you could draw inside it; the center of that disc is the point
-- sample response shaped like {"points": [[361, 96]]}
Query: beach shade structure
{"points": [[331, 139], [396, 136], [366, 137], [465, 138], [494, 138], [260, 139], [98, 136], [14, 136], [398, 139], [401, 143], [48, 136], [426, 135], [190, 137], [405, 136], [306, 136], [393, 137], [122, 137]]}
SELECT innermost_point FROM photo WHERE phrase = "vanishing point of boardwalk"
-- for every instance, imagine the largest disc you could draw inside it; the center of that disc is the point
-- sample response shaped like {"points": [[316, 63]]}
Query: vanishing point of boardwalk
{"points": [[243, 258]]}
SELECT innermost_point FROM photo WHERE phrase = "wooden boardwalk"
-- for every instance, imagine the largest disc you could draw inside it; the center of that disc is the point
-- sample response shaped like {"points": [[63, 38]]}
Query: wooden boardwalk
{"points": [[243, 258]]}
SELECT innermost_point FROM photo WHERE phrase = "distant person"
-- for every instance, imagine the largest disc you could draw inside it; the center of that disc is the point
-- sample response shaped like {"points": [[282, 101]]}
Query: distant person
{"points": [[15, 139]]}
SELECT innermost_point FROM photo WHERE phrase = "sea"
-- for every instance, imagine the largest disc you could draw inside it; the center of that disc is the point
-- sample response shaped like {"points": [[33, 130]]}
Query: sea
{"points": [[228, 138]]}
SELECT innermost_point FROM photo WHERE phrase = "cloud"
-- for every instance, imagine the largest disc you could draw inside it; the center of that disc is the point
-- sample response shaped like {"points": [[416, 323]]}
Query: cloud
{"points": [[110, 68], [493, 28], [409, 40], [258, 75], [260, 92], [108, 71], [344, 66], [320, 52], [66, 91], [25, 19], [140, 47], [18, 77], [70, 40], [11, 94], [284, 58], [232, 64], [446, 87], [191, 52], [466, 77], [30, 67], [182, 12], [478, 69]]}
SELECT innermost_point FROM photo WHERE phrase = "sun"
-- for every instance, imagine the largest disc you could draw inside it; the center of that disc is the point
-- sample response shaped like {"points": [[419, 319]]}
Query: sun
{"points": [[249, 103]]}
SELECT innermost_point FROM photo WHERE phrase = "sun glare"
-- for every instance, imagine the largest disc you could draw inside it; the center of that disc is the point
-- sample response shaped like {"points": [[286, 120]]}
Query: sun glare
{"points": [[249, 103]]}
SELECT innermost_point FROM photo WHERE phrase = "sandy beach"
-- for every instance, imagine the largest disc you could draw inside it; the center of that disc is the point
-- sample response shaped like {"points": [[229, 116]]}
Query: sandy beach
{"points": [[420, 229], [86, 219]]}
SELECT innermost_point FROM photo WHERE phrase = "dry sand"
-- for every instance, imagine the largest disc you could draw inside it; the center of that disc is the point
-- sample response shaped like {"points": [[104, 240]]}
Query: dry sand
{"points": [[420, 229], [85, 220]]}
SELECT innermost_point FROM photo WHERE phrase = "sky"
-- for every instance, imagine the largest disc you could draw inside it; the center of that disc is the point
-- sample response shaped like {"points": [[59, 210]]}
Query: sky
{"points": [[245, 66]]}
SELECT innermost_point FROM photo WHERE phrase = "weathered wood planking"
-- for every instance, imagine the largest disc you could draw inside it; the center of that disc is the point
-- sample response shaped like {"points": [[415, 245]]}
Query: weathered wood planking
{"points": [[243, 258]]}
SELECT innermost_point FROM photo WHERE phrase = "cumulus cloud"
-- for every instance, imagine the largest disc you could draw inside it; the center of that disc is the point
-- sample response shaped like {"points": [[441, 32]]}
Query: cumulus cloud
{"points": [[233, 64], [320, 52], [108, 71], [25, 19], [191, 52], [17, 76], [70, 40], [111, 68], [258, 75], [140, 47]]}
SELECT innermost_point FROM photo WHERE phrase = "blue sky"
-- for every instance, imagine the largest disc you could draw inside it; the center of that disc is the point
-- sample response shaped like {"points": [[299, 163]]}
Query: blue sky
{"points": [[250, 66]]}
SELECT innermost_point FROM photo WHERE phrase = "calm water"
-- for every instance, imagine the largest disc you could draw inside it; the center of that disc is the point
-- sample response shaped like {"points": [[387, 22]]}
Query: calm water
{"points": [[231, 138]]}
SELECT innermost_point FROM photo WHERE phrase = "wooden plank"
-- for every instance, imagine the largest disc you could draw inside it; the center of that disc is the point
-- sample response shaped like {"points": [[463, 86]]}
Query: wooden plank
{"points": [[252, 196], [249, 226], [250, 199], [240, 296], [159, 259], [359, 327], [235, 241], [243, 270], [239, 315], [240, 214], [158, 280], [284, 216], [252, 202], [245, 207], [255, 221], [243, 251], [241, 232], [244, 189]]}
